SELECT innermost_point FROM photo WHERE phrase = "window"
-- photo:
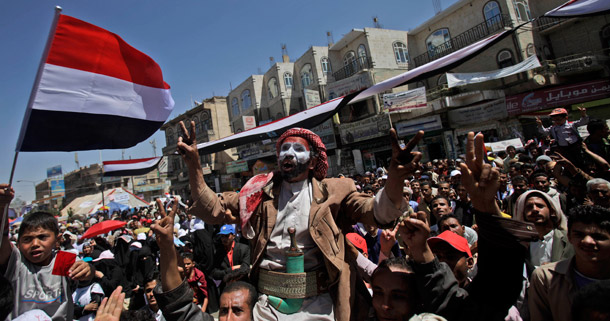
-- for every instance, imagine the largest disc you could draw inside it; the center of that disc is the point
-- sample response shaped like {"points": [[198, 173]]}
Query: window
{"points": [[288, 80], [235, 107], [306, 75], [490, 10], [523, 10], [272, 87], [361, 54], [442, 80], [505, 58], [438, 41], [169, 134], [530, 49], [349, 61], [400, 52], [197, 124], [325, 65], [246, 101]]}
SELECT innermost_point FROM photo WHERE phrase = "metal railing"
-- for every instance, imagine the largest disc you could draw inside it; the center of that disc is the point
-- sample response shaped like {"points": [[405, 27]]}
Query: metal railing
{"points": [[490, 26], [544, 23], [360, 63]]}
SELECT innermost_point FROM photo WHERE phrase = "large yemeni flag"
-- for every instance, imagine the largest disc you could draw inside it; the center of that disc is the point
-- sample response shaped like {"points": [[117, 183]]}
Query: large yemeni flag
{"points": [[577, 8], [130, 167], [93, 91]]}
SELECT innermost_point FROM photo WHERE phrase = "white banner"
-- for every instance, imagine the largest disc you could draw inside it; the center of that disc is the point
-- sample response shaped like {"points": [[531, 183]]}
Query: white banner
{"points": [[477, 114], [461, 79], [575, 8], [501, 145], [398, 102]]}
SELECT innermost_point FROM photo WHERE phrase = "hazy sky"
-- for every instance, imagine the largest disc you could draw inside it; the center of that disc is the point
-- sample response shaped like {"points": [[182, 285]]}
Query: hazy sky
{"points": [[201, 46]]}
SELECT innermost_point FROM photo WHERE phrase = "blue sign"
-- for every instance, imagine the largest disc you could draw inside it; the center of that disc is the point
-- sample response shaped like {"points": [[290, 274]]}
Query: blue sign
{"points": [[57, 186], [54, 171]]}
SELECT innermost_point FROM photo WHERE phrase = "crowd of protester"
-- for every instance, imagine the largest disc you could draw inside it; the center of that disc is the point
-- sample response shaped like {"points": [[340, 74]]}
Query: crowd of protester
{"points": [[543, 254]]}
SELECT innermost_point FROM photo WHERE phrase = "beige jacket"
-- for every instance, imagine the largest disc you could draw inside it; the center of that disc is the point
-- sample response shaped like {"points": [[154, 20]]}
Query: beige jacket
{"points": [[336, 206], [552, 291]]}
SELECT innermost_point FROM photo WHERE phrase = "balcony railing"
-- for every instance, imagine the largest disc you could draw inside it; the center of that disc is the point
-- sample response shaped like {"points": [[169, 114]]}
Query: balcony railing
{"points": [[352, 68], [544, 23], [490, 26]]}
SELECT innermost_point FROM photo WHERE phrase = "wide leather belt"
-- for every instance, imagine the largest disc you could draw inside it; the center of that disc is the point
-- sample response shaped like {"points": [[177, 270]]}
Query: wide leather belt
{"points": [[292, 285]]}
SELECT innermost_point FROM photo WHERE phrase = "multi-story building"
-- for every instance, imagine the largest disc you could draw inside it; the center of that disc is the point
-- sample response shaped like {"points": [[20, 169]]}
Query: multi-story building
{"points": [[573, 52], [212, 122]]}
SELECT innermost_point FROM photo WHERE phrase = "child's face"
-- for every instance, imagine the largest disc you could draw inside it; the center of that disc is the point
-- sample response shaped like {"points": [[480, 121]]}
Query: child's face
{"points": [[37, 245], [393, 294], [188, 266]]}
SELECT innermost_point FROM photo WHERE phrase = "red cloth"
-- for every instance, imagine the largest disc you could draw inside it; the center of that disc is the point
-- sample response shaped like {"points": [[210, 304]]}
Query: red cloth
{"points": [[198, 285], [230, 255], [63, 262], [319, 172]]}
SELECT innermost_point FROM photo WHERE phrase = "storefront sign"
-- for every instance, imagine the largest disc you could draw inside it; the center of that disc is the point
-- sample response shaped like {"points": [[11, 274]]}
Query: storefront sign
{"points": [[410, 127], [557, 97], [54, 171], [249, 122], [399, 102], [150, 187], [369, 128], [327, 134], [206, 170], [477, 114], [312, 98], [347, 85], [237, 166]]}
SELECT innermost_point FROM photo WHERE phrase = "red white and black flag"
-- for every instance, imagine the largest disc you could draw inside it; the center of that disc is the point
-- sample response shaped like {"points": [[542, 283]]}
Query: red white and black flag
{"points": [[93, 91], [130, 167], [576, 8]]}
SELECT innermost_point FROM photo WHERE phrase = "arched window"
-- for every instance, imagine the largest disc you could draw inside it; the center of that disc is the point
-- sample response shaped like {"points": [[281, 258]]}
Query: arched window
{"points": [[400, 52], [491, 10], [272, 87], [505, 58], [325, 65], [522, 9], [169, 135], [246, 101], [605, 36], [306, 75], [197, 124], [438, 41], [362, 55], [288, 80], [441, 80], [235, 106], [530, 50], [349, 61]]}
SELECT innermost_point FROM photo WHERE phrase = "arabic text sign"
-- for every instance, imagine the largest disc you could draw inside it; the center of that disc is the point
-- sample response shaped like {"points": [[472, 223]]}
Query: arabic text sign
{"points": [[477, 114], [557, 96], [237, 166], [372, 127], [410, 127], [398, 102]]}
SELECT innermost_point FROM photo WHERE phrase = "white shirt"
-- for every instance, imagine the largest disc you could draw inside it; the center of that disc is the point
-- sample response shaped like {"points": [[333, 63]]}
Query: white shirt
{"points": [[540, 251]]}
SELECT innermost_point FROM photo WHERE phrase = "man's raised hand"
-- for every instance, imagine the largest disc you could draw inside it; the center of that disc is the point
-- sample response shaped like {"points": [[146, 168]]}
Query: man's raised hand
{"points": [[187, 145], [164, 228], [404, 160], [480, 180]]}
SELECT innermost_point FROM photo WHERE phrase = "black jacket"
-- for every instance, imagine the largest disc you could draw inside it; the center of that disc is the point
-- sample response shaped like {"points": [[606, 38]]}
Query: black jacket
{"points": [[241, 256]]}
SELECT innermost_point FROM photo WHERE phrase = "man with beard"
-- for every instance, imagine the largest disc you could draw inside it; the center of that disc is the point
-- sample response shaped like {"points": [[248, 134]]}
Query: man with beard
{"points": [[299, 196], [599, 192]]}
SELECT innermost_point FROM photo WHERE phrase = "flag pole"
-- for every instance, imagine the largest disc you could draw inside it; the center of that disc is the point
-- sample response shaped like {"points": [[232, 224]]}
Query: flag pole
{"points": [[26, 117], [43, 60]]}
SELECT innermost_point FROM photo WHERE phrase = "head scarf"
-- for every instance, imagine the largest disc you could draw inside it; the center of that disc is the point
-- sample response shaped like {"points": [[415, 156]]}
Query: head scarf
{"points": [[319, 172]]}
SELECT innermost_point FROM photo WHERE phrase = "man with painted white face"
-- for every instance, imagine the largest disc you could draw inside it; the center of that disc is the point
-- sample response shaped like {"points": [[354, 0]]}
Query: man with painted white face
{"points": [[298, 195]]}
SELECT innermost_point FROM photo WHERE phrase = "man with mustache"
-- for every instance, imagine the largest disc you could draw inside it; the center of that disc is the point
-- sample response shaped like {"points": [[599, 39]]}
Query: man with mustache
{"points": [[298, 195]]}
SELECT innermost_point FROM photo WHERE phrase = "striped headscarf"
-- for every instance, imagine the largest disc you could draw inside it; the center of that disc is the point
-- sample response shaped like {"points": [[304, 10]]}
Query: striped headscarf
{"points": [[315, 143]]}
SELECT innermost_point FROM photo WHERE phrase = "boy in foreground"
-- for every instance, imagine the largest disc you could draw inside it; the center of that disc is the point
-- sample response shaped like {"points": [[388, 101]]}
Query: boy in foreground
{"points": [[29, 265]]}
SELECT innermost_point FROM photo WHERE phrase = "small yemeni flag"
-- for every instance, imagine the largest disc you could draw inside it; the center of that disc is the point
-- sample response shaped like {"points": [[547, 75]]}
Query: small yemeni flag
{"points": [[93, 91], [131, 167]]}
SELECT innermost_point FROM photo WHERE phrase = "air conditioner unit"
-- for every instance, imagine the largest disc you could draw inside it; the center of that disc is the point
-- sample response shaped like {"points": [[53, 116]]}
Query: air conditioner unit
{"points": [[577, 64]]}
